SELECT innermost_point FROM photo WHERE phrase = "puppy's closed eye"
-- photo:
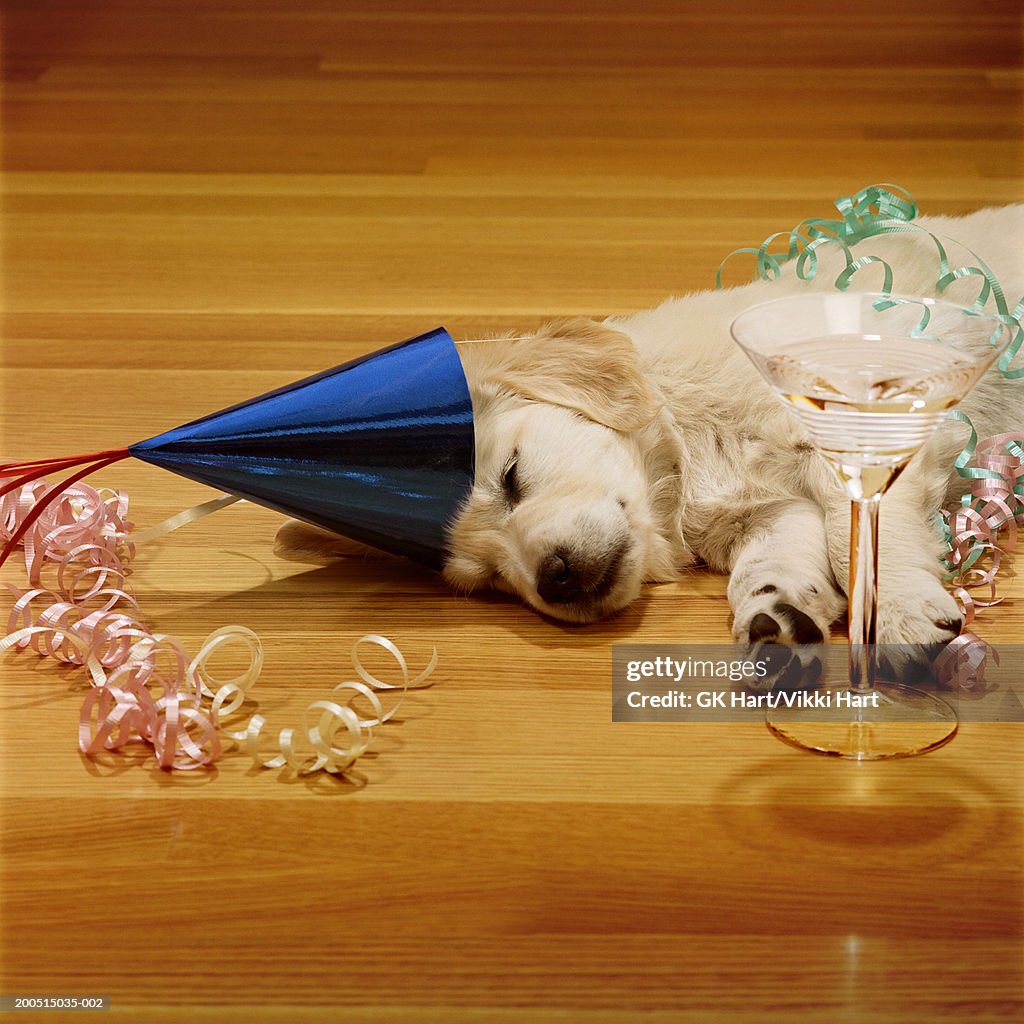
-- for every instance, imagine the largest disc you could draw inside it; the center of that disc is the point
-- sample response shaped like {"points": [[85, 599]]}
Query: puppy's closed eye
{"points": [[510, 482]]}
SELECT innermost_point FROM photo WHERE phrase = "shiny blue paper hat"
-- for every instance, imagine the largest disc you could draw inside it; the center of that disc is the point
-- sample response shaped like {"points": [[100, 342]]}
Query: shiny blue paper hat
{"points": [[379, 449]]}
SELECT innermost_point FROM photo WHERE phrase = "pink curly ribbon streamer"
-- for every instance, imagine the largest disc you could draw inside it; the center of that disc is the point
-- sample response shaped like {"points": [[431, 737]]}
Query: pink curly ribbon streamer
{"points": [[84, 531], [961, 663], [145, 687], [986, 521], [983, 529]]}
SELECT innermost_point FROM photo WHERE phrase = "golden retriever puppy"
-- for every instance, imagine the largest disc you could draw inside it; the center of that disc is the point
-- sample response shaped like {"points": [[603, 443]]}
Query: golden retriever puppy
{"points": [[575, 503], [617, 453]]}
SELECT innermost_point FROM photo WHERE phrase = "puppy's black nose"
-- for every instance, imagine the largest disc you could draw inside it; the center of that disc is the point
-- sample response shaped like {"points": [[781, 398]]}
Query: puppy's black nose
{"points": [[558, 580], [566, 577]]}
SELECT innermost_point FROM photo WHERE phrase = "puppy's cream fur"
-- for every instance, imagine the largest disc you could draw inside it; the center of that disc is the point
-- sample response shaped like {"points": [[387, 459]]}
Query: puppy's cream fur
{"points": [[649, 442]]}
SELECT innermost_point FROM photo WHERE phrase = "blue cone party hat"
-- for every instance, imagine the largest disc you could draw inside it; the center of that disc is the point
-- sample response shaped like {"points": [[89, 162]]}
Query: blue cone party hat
{"points": [[379, 449]]}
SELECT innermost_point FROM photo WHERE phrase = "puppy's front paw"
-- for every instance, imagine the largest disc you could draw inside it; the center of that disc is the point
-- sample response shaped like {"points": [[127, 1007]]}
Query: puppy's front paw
{"points": [[784, 635], [917, 617], [917, 609], [769, 614]]}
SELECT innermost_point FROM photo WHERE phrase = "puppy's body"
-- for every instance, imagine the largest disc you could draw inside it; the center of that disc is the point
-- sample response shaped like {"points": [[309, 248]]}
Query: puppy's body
{"points": [[757, 502], [618, 453]]}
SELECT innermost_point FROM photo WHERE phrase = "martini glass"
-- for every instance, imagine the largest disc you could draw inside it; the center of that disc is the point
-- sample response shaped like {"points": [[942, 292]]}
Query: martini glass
{"points": [[870, 377]]}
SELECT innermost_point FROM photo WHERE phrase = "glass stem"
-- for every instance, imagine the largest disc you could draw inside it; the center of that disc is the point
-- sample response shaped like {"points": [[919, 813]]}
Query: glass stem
{"points": [[863, 591]]}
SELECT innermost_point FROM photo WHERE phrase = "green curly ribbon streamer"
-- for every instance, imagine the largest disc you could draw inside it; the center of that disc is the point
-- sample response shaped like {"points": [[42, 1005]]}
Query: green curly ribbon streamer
{"points": [[878, 210], [967, 453], [882, 210]]}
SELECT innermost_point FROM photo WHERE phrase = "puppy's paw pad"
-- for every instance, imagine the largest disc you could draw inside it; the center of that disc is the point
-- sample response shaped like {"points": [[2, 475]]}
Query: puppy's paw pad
{"points": [[786, 667], [805, 630], [779, 622]]}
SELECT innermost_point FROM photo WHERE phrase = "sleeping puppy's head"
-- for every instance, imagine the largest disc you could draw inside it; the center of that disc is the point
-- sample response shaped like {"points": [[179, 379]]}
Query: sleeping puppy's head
{"points": [[572, 449]]}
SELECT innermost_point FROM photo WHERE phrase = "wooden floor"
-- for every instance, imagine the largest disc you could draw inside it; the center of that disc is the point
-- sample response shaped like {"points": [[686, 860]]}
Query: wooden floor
{"points": [[208, 198]]}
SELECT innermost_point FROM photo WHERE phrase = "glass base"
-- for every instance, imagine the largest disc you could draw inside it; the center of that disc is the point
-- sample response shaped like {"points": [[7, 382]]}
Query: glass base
{"points": [[900, 722]]}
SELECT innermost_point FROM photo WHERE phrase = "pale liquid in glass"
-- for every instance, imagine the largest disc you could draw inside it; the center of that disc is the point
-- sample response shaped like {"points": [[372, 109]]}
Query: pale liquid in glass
{"points": [[869, 402]]}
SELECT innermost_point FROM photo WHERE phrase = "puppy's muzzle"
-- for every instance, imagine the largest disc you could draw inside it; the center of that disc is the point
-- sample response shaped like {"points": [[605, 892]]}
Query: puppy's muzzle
{"points": [[570, 577]]}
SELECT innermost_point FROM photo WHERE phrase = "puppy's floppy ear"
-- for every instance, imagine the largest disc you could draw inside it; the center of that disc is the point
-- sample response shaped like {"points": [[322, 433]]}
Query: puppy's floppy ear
{"points": [[300, 542], [584, 366]]}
